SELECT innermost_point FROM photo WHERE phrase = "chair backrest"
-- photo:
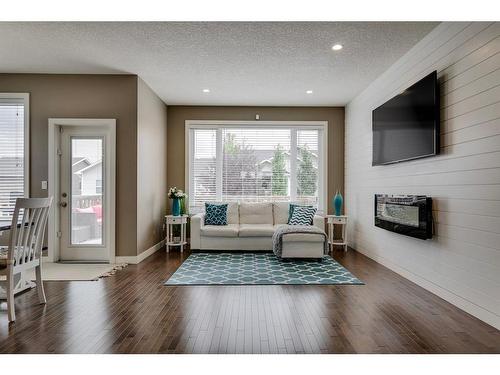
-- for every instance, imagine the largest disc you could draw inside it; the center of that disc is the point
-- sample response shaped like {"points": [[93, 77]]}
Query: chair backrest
{"points": [[28, 229]]}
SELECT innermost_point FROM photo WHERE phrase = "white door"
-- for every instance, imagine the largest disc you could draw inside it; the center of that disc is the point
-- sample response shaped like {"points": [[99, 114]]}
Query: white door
{"points": [[86, 194]]}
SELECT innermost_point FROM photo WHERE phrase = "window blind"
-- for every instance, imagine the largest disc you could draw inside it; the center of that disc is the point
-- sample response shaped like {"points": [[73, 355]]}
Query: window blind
{"points": [[203, 167], [307, 166], [255, 164], [11, 155]]}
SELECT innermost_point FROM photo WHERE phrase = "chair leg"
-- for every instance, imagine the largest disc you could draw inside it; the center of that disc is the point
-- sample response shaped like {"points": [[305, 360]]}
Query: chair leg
{"points": [[11, 307], [39, 285]]}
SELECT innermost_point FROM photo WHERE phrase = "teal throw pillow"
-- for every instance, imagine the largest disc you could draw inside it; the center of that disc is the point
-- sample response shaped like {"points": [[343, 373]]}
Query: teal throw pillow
{"points": [[215, 214]]}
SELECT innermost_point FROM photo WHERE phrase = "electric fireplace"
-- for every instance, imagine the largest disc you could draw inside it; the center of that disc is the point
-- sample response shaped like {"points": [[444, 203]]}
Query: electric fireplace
{"points": [[410, 215]]}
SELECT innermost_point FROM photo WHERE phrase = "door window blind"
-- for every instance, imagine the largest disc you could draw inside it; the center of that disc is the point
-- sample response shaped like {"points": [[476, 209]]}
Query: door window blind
{"points": [[255, 164], [12, 155]]}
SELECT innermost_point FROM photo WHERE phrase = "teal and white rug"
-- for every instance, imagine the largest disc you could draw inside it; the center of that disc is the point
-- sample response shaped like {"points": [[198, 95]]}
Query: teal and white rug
{"points": [[259, 269]]}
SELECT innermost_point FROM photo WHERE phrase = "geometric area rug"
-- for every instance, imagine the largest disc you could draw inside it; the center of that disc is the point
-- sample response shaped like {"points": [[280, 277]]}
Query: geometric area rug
{"points": [[242, 268]]}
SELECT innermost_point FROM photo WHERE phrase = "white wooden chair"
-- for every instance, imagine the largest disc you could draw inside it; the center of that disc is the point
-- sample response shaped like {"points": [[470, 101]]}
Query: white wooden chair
{"points": [[25, 247]]}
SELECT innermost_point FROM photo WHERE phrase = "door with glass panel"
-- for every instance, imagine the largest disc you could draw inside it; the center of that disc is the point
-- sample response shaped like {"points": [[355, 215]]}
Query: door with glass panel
{"points": [[83, 195]]}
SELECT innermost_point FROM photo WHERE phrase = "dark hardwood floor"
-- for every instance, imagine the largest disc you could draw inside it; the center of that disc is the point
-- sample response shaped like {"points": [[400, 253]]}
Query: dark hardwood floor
{"points": [[133, 312]]}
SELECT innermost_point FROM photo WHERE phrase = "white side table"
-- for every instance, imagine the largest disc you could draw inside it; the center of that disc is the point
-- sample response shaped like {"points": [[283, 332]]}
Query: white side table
{"points": [[333, 220], [170, 221]]}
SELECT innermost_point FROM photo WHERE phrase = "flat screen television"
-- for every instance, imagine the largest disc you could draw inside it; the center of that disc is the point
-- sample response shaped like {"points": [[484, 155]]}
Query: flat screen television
{"points": [[407, 126]]}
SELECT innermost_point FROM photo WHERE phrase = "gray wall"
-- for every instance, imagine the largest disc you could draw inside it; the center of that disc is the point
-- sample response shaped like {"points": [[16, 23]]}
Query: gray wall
{"points": [[462, 263], [177, 115], [86, 96], [151, 167]]}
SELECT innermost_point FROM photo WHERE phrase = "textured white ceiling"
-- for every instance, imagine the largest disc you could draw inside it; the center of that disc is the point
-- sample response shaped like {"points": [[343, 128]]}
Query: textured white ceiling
{"points": [[249, 63]]}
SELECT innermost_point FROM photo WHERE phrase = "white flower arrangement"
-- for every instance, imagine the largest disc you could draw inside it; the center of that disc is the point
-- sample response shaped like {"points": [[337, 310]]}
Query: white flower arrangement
{"points": [[176, 193]]}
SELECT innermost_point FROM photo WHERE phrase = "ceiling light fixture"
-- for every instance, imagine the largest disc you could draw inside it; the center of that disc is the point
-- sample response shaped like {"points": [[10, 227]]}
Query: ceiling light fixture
{"points": [[206, 90], [337, 47], [309, 91]]}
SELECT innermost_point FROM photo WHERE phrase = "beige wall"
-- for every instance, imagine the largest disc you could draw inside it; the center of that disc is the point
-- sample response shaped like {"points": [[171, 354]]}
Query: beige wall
{"points": [[177, 115], [86, 96], [151, 166], [143, 161]]}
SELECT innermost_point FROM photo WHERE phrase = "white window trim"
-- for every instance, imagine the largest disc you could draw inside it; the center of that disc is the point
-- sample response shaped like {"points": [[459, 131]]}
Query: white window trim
{"points": [[25, 97], [215, 124]]}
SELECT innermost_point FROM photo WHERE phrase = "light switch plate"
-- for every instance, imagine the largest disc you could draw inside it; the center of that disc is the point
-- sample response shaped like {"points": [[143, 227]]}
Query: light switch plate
{"points": [[44, 185]]}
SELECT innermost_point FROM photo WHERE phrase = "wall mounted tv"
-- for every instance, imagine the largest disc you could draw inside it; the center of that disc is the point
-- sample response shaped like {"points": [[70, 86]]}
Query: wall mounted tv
{"points": [[407, 126]]}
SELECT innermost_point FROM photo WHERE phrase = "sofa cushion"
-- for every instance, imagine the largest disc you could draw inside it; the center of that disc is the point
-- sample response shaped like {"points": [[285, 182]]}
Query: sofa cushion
{"points": [[230, 230], [256, 230], [280, 212], [303, 237], [256, 213], [233, 214], [215, 214]]}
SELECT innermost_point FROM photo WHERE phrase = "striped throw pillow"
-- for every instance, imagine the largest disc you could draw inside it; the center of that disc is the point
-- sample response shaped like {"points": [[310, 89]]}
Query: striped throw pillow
{"points": [[291, 207], [302, 216]]}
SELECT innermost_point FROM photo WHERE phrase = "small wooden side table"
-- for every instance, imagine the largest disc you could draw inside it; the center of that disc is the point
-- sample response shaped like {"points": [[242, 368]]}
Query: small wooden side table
{"points": [[170, 221], [333, 220]]}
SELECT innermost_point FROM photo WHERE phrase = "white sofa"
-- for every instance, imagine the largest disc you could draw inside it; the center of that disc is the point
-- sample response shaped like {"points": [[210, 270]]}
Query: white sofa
{"points": [[251, 227]]}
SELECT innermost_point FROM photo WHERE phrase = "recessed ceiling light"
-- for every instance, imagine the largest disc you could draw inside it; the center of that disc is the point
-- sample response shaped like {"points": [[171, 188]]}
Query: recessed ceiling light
{"points": [[206, 90], [309, 91], [337, 47]]}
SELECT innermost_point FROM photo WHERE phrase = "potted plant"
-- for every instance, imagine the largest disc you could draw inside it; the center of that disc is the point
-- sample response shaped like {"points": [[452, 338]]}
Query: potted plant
{"points": [[176, 195]]}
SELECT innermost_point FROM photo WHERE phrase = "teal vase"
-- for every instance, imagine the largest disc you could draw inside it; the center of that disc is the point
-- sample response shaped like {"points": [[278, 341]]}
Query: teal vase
{"points": [[176, 207], [337, 203]]}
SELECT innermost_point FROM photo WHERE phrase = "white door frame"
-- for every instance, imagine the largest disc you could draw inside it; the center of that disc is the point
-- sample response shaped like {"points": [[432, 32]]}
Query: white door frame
{"points": [[53, 180]]}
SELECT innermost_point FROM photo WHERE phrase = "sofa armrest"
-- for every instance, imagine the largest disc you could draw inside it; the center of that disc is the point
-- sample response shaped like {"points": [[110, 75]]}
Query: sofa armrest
{"points": [[319, 221], [197, 222]]}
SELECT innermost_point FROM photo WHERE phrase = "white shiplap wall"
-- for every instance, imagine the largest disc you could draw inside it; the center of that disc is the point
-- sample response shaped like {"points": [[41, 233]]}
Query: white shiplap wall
{"points": [[462, 262]]}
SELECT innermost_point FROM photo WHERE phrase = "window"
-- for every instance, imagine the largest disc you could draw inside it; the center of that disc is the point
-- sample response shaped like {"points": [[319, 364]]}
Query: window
{"points": [[256, 162], [14, 134]]}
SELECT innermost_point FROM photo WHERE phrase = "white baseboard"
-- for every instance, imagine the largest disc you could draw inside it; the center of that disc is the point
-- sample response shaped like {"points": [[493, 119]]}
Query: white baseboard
{"points": [[463, 304], [139, 258]]}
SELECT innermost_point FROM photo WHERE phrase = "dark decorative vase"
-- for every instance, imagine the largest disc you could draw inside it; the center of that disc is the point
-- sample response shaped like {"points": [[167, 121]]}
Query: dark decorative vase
{"points": [[337, 203], [176, 207]]}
